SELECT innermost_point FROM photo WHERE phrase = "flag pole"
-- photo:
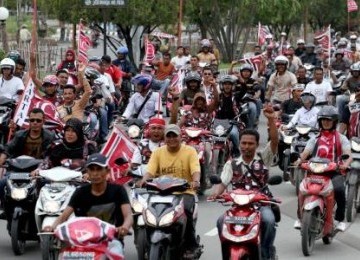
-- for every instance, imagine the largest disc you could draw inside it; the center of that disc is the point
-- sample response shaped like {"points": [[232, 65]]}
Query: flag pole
{"points": [[348, 21], [258, 35], [329, 48]]}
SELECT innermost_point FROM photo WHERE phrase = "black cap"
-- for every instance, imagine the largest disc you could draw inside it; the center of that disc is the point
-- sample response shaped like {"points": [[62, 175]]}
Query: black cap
{"points": [[97, 159]]}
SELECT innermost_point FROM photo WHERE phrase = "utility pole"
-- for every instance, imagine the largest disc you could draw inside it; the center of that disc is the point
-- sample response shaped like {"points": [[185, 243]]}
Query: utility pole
{"points": [[180, 21]]}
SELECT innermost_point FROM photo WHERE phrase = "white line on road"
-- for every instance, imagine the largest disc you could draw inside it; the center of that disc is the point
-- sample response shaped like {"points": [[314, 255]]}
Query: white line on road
{"points": [[213, 232]]}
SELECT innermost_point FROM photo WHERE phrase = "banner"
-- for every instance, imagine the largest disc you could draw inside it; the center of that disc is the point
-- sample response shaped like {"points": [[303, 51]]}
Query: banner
{"points": [[84, 44], [263, 31], [351, 6], [149, 51], [31, 99], [324, 39], [117, 146]]}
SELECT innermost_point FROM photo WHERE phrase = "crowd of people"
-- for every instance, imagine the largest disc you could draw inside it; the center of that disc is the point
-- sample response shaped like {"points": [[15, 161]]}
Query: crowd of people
{"points": [[87, 95]]}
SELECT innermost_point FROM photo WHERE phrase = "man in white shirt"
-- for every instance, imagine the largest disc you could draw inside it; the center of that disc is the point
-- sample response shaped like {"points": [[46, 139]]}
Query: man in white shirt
{"points": [[144, 103], [179, 60], [10, 86], [319, 87]]}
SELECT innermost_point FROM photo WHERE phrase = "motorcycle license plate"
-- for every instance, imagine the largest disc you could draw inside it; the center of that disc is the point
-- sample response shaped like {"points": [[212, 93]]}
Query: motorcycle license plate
{"points": [[219, 139], [238, 220], [74, 255], [19, 176], [161, 199]]}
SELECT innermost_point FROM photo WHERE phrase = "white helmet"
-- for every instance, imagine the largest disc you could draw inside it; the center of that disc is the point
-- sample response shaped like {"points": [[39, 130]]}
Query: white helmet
{"points": [[281, 59], [7, 63], [205, 43]]}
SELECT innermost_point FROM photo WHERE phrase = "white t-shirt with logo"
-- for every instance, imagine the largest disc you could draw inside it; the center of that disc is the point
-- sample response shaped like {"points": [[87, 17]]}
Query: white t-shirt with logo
{"points": [[320, 91], [10, 88], [179, 62]]}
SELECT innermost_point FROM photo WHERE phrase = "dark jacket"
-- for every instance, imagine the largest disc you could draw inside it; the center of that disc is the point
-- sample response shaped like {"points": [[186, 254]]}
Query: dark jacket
{"points": [[16, 145]]}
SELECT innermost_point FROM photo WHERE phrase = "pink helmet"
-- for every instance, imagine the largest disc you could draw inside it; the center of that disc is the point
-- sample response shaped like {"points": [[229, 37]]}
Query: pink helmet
{"points": [[51, 79]]}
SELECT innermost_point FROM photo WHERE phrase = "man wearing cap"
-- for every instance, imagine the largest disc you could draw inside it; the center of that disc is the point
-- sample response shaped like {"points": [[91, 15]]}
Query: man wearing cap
{"points": [[181, 161], [290, 106], [106, 201], [147, 145], [300, 50]]}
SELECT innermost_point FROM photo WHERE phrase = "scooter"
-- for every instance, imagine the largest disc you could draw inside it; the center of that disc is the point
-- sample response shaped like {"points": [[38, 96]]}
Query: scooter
{"points": [[353, 182], [53, 199], [196, 137], [19, 202], [165, 219], [316, 203], [88, 238], [241, 226]]}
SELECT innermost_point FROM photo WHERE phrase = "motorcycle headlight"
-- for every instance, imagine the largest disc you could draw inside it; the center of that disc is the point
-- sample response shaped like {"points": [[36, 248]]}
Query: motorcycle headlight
{"points": [[137, 206], [355, 146], [219, 130], [134, 131], [253, 232], [303, 129], [19, 193], [317, 167], [167, 219], [288, 139], [242, 199], [192, 133], [52, 206], [150, 218]]}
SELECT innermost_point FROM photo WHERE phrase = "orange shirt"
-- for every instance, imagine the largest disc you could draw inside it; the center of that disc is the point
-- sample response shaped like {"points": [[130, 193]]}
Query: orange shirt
{"points": [[164, 71]]}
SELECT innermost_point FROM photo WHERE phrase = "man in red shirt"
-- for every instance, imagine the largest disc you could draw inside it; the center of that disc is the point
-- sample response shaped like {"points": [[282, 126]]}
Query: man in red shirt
{"points": [[165, 69], [114, 71]]}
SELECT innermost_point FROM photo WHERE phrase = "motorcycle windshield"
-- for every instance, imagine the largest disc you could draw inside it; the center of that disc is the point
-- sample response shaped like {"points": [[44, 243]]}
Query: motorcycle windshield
{"points": [[167, 184], [59, 174], [23, 163]]}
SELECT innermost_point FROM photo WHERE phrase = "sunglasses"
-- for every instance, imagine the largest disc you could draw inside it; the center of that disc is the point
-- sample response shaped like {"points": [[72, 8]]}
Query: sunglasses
{"points": [[37, 120], [69, 55], [207, 74]]}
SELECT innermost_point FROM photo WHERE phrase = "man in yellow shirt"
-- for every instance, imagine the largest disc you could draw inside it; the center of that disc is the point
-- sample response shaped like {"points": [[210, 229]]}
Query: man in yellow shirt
{"points": [[181, 161]]}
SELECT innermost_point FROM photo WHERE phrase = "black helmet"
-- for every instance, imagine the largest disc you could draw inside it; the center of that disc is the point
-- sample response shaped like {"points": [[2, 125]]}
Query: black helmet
{"points": [[14, 55], [193, 76], [308, 97], [227, 78], [246, 67], [328, 112], [91, 73]]}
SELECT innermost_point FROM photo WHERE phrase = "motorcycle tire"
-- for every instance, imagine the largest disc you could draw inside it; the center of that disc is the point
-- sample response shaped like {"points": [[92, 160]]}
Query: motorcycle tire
{"points": [[327, 240], [307, 230], [141, 244], [17, 244], [286, 163], [352, 202], [298, 177], [48, 252], [218, 161], [157, 252]]}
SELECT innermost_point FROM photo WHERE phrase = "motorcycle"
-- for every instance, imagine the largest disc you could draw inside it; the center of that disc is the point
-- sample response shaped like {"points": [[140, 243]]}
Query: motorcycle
{"points": [[6, 110], [196, 137], [19, 202], [53, 199], [165, 219], [298, 138], [353, 182], [316, 203], [88, 238], [241, 226], [221, 145]]}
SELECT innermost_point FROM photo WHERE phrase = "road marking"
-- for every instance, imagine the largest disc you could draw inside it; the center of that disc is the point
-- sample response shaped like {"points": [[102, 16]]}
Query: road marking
{"points": [[213, 232]]}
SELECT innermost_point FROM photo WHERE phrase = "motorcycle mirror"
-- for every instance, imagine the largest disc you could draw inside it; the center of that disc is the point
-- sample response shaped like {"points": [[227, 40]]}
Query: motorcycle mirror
{"points": [[215, 179], [120, 161], [294, 157], [275, 180], [344, 157]]}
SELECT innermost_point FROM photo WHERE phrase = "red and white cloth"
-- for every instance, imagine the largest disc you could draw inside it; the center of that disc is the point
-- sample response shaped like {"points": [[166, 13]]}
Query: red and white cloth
{"points": [[254, 61], [263, 31], [324, 39], [84, 44], [149, 51], [351, 6]]}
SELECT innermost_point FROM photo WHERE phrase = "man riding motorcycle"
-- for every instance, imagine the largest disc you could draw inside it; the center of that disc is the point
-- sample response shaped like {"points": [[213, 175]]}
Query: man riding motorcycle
{"points": [[178, 160], [330, 144], [350, 84], [193, 86], [290, 106], [11, 86], [250, 171]]}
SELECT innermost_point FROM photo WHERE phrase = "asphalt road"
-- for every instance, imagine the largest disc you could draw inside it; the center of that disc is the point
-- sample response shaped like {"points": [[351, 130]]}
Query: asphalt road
{"points": [[288, 240]]}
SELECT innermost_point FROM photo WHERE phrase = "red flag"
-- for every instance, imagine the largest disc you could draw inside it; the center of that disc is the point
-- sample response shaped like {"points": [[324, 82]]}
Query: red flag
{"points": [[149, 51], [351, 6], [348, 54], [324, 39], [84, 44], [117, 146], [263, 31], [254, 61], [32, 99]]}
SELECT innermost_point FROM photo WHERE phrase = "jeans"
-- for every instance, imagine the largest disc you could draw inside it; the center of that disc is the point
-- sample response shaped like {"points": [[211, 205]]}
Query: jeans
{"points": [[2, 187], [110, 110], [344, 113], [258, 107], [190, 233], [160, 85], [267, 233], [103, 123], [252, 115], [234, 138]]}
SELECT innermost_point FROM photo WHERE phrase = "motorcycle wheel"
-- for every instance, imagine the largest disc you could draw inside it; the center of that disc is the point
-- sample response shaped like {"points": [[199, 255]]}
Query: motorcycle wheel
{"points": [[18, 245], [217, 161], [309, 224], [157, 252], [327, 239], [141, 244], [352, 202], [48, 251], [285, 163]]}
